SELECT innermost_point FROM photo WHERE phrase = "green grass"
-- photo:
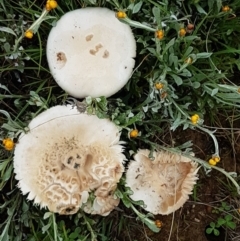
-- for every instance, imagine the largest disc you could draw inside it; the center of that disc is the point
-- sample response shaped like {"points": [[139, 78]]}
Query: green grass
{"points": [[206, 85]]}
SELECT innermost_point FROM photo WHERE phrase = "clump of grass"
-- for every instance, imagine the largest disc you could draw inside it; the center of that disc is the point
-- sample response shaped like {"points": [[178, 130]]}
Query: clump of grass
{"points": [[187, 55]]}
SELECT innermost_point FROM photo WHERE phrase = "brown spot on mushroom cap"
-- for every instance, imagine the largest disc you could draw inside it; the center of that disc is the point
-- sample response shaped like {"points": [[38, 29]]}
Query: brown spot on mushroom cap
{"points": [[61, 60], [164, 184], [89, 37], [105, 54]]}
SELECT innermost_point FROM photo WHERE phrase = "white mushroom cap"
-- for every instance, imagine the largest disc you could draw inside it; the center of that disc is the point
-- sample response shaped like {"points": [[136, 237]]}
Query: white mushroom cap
{"points": [[163, 184], [90, 52], [66, 155]]}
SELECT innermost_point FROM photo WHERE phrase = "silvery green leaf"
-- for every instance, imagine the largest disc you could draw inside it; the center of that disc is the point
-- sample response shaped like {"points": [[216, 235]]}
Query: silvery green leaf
{"points": [[214, 91], [47, 215], [177, 79], [3, 39], [203, 55], [89, 100], [137, 7], [196, 85], [7, 30], [145, 108]]}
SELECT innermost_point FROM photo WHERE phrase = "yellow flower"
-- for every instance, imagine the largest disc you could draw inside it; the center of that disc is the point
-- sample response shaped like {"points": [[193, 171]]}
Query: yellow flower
{"points": [[216, 159], [134, 133], [159, 86], [225, 8], [8, 144], [182, 32], [212, 162], [195, 118], [121, 14], [51, 4], [158, 223], [28, 34], [159, 34]]}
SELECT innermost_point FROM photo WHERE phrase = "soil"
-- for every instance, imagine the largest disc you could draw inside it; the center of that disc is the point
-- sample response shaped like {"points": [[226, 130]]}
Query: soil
{"points": [[189, 222]]}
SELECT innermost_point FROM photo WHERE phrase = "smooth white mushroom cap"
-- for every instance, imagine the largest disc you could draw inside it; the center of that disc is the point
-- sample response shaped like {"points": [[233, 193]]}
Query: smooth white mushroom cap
{"points": [[163, 184], [90, 52], [65, 156]]}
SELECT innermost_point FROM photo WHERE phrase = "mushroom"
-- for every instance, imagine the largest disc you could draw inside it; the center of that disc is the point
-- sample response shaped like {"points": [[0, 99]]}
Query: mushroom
{"points": [[163, 184], [65, 156], [90, 52]]}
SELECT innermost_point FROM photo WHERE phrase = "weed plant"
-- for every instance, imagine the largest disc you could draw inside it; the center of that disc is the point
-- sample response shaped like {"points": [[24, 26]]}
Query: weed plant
{"points": [[187, 60]]}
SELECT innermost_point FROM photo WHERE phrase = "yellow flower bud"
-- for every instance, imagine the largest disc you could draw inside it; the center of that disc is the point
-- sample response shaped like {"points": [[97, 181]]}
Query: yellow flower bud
{"points": [[48, 8], [159, 34], [51, 4], [212, 162], [134, 133], [8, 144], [28, 34], [159, 86], [194, 119], [216, 159], [225, 8], [121, 14], [158, 223], [182, 32]]}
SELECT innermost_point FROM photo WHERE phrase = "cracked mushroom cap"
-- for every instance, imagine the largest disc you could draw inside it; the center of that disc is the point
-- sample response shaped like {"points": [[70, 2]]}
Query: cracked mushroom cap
{"points": [[90, 52], [164, 184], [65, 156]]}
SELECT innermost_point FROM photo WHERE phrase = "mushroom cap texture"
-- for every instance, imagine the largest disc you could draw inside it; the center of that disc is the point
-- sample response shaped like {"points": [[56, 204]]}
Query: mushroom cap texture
{"points": [[65, 156], [90, 52], [164, 184]]}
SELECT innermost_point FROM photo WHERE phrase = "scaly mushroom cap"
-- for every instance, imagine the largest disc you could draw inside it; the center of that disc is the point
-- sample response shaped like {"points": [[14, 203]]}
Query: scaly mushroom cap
{"points": [[65, 156], [90, 52], [163, 183]]}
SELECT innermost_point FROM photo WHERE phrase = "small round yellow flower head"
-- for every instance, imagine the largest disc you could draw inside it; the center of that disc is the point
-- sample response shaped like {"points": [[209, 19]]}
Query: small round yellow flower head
{"points": [[225, 8], [121, 14], [51, 4], [8, 144], [159, 34], [28, 34], [159, 86], [182, 32], [158, 223], [134, 133], [195, 118], [212, 162], [216, 159], [188, 60]]}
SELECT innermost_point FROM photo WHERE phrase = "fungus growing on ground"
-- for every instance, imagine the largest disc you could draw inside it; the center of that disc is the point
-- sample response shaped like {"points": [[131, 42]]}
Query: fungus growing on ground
{"points": [[90, 52], [65, 156], [164, 184]]}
